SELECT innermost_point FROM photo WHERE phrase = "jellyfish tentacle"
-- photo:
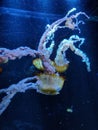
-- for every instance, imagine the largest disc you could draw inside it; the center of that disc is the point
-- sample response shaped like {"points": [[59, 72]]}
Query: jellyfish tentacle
{"points": [[51, 30], [76, 38], [49, 33], [11, 91], [7, 54], [61, 59]]}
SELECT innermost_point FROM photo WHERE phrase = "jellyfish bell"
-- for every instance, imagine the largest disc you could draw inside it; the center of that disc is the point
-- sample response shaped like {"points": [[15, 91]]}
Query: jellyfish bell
{"points": [[50, 84], [60, 69], [39, 65]]}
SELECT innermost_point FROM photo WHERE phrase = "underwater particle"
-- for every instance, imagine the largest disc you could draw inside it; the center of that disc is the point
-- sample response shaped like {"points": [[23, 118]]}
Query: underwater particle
{"points": [[70, 110], [60, 123], [82, 124]]}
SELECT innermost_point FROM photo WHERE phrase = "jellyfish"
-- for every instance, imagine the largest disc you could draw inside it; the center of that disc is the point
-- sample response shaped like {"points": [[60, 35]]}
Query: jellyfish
{"points": [[49, 80]]}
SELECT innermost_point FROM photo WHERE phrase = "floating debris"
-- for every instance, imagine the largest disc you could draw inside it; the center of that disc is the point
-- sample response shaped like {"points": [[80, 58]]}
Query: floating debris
{"points": [[70, 110]]}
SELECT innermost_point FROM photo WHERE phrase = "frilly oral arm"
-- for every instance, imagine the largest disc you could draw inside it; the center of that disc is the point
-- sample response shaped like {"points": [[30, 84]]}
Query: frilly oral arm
{"points": [[65, 44], [7, 54], [49, 33], [51, 30], [10, 92]]}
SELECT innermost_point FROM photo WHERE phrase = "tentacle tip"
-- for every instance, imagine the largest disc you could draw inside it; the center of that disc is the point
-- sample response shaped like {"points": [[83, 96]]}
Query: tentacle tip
{"points": [[74, 9]]}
